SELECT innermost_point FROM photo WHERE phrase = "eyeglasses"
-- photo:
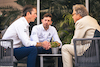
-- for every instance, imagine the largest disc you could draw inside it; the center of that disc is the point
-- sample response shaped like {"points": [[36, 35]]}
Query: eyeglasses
{"points": [[73, 14]]}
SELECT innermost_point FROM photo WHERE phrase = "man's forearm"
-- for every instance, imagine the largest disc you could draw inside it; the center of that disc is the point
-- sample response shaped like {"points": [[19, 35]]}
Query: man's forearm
{"points": [[39, 44]]}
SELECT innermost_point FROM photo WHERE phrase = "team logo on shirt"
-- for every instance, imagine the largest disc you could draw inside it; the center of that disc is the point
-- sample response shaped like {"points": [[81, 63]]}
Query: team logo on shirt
{"points": [[25, 30]]}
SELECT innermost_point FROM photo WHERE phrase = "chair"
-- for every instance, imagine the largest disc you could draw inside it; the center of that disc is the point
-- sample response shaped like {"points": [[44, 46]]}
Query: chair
{"points": [[90, 58], [7, 58], [6, 54]]}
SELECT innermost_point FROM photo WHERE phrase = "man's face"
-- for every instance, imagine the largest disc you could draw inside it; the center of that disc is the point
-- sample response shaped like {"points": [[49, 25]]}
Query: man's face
{"points": [[75, 16], [46, 21], [33, 15]]}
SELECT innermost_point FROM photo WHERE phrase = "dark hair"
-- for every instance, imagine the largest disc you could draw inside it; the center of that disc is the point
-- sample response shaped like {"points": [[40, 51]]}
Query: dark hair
{"points": [[28, 8], [47, 15]]}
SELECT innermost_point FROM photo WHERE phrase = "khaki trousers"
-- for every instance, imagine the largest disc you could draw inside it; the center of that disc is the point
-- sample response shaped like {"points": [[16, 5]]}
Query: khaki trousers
{"points": [[68, 53]]}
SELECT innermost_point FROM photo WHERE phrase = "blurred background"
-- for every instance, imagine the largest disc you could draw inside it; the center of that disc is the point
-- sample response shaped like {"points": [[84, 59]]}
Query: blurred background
{"points": [[10, 10]]}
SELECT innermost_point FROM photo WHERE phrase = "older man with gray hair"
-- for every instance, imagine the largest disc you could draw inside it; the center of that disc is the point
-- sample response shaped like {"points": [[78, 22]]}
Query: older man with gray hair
{"points": [[85, 27]]}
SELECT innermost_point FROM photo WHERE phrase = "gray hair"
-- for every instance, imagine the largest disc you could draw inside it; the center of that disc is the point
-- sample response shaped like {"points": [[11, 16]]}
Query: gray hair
{"points": [[80, 9]]}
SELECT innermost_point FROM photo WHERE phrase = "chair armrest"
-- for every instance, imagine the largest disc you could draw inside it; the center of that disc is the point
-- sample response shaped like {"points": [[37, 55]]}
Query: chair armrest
{"points": [[6, 51], [82, 39], [78, 39], [93, 44]]}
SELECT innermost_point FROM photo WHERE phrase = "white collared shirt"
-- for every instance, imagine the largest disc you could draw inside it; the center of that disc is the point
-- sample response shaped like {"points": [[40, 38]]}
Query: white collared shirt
{"points": [[39, 34], [19, 32]]}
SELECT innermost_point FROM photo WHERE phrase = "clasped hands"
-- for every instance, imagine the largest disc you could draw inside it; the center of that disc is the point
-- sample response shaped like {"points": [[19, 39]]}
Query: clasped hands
{"points": [[47, 45]]}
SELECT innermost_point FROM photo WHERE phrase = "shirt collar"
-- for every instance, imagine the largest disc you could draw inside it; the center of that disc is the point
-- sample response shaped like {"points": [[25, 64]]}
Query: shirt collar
{"points": [[26, 23]]}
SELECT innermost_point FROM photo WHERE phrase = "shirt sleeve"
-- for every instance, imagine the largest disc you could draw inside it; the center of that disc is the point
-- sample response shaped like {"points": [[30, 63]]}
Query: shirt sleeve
{"points": [[56, 37], [23, 34], [34, 35]]}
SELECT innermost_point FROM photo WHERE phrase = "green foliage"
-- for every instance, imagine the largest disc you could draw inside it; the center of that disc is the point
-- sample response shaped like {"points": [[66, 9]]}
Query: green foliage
{"points": [[26, 2], [67, 20], [95, 9], [66, 28], [8, 16], [54, 44]]}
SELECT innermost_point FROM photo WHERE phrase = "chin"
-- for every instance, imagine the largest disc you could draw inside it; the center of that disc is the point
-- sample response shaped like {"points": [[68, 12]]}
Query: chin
{"points": [[33, 20]]}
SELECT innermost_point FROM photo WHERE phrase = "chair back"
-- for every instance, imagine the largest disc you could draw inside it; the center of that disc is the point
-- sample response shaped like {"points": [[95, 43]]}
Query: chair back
{"points": [[91, 51], [6, 54], [90, 58]]}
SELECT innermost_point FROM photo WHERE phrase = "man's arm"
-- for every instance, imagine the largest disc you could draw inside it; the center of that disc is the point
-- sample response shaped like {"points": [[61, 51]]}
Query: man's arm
{"points": [[80, 30], [44, 44], [34, 35], [56, 37]]}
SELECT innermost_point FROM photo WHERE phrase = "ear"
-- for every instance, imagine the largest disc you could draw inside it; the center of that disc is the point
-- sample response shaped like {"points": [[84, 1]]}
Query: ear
{"points": [[41, 20], [51, 22], [28, 13], [79, 16]]}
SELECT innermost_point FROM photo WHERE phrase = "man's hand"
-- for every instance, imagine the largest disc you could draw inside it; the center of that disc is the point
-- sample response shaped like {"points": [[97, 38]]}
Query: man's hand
{"points": [[46, 45], [57, 43]]}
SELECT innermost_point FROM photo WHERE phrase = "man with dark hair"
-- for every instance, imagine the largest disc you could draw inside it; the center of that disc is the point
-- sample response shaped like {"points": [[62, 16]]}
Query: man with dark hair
{"points": [[19, 32], [28, 9], [45, 32]]}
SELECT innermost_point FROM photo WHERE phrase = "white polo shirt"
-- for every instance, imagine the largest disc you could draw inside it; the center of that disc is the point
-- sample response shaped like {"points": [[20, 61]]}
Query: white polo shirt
{"points": [[19, 32], [39, 34]]}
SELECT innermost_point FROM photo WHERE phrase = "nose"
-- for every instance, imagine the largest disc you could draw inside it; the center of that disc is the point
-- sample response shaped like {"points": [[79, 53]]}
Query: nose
{"points": [[46, 22]]}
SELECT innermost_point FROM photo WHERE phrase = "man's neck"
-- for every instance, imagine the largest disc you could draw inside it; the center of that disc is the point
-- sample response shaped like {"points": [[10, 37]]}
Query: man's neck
{"points": [[46, 28], [27, 19]]}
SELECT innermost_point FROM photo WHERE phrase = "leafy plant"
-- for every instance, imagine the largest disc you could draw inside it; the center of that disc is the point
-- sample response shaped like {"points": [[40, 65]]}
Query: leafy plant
{"points": [[54, 44], [66, 28]]}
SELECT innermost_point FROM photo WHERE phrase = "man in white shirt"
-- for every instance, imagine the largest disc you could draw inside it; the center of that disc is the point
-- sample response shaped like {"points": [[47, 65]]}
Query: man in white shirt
{"points": [[45, 32], [19, 32]]}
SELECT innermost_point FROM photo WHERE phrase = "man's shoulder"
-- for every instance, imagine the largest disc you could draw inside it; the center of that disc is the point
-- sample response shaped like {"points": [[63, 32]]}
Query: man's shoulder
{"points": [[85, 18], [37, 27], [18, 21], [52, 27]]}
